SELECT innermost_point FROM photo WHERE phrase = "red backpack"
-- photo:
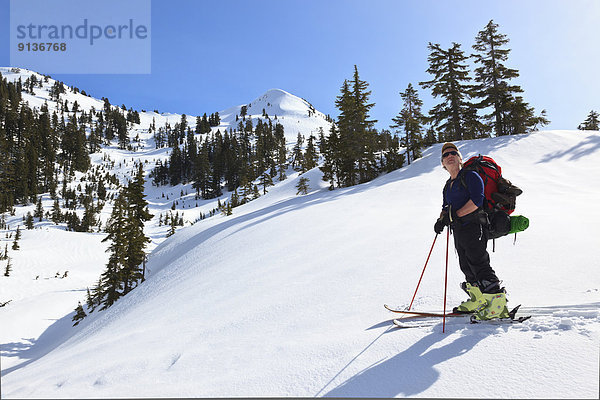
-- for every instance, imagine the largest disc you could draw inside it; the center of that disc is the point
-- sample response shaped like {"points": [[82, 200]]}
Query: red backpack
{"points": [[500, 193]]}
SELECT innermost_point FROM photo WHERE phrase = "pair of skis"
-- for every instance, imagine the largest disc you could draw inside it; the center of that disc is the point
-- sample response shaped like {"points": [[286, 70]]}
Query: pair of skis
{"points": [[418, 314]]}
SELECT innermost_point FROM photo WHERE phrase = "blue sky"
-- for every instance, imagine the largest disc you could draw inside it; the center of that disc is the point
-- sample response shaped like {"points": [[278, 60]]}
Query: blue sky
{"points": [[210, 55]]}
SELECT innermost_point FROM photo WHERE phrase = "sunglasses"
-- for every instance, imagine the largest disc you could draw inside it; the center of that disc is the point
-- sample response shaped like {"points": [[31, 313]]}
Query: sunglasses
{"points": [[446, 154]]}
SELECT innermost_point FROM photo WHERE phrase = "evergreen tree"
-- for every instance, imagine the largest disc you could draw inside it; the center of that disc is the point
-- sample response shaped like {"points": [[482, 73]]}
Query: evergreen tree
{"points": [[198, 128], [218, 165], [521, 118], [393, 159], [493, 76], [175, 166], [235, 199], [39, 210], [136, 240], [450, 81], [310, 157], [56, 90], [591, 123], [56, 215], [15, 245], [266, 181], [110, 285], [88, 220], [430, 137], [29, 221], [473, 127], [362, 127], [95, 296], [246, 194], [297, 153], [330, 150], [101, 189], [160, 138], [350, 155], [89, 301], [8, 268], [183, 125], [118, 124], [79, 314], [48, 143], [172, 226], [281, 151], [302, 186], [410, 119], [203, 173], [226, 209]]}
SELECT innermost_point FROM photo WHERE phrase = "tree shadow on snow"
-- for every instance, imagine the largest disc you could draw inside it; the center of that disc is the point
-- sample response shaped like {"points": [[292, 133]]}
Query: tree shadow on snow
{"points": [[410, 372], [31, 350], [587, 147]]}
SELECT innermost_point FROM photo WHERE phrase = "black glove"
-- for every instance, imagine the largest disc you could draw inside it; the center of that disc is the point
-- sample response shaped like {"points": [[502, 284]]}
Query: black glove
{"points": [[441, 223]]}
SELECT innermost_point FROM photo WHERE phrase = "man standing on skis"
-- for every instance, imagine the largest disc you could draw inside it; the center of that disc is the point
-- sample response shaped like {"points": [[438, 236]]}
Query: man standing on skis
{"points": [[462, 211]]}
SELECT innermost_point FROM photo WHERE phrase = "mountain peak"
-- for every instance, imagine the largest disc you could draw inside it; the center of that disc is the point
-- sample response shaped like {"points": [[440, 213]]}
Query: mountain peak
{"points": [[295, 114], [278, 101]]}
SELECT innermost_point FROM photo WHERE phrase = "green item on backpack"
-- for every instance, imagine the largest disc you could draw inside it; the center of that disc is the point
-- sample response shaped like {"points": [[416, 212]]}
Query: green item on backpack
{"points": [[518, 223]]}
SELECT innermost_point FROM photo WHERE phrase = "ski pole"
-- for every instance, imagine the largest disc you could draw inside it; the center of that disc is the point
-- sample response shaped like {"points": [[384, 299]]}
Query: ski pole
{"points": [[446, 280], [425, 266]]}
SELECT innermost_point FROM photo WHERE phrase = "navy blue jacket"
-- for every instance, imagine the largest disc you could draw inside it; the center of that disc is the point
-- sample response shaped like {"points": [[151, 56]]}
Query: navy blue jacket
{"points": [[457, 195]]}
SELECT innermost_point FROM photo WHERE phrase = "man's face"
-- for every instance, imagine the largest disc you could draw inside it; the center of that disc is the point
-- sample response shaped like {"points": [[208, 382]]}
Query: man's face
{"points": [[450, 158]]}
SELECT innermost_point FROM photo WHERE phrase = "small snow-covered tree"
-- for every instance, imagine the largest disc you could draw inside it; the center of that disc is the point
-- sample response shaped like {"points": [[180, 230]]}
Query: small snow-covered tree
{"points": [[591, 123], [79, 314]]}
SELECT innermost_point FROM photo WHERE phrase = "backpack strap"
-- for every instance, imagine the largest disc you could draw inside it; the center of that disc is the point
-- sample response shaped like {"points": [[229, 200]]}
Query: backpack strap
{"points": [[462, 181]]}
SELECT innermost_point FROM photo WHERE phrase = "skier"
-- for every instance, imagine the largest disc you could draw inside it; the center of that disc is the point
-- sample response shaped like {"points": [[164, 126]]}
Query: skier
{"points": [[462, 211]]}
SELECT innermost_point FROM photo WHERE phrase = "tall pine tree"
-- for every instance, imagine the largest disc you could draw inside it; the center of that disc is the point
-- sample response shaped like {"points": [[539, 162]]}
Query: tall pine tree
{"points": [[493, 77], [136, 240], [125, 230], [450, 82], [352, 152], [110, 285], [410, 119]]}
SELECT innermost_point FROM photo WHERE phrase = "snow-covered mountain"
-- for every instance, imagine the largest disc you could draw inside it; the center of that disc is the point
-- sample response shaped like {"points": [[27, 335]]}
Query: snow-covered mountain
{"points": [[295, 114], [285, 297]]}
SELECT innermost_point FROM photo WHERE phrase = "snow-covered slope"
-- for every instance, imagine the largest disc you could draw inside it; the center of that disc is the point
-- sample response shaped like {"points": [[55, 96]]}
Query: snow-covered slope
{"points": [[295, 114], [285, 297]]}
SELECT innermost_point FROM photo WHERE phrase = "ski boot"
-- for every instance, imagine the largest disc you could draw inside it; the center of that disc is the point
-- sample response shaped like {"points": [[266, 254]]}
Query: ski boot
{"points": [[496, 307], [475, 302], [495, 302]]}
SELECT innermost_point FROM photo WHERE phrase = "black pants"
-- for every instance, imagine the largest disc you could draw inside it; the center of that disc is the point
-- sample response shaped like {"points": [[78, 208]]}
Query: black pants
{"points": [[471, 244]]}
